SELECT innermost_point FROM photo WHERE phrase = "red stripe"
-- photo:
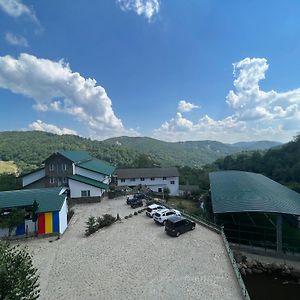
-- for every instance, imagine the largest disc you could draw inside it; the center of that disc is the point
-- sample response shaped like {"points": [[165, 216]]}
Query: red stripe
{"points": [[41, 224]]}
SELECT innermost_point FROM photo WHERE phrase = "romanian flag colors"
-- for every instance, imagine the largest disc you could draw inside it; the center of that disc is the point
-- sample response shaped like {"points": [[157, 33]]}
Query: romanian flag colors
{"points": [[48, 222]]}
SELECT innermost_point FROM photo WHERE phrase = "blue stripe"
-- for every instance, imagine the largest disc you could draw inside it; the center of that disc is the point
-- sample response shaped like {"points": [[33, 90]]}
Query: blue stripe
{"points": [[55, 221], [20, 229]]}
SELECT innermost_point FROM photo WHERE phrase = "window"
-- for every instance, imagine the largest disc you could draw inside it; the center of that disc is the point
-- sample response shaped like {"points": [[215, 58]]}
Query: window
{"points": [[51, 167], [64, 167], [172, 182], [159, 190], [65, 179], [51, 180], [132, 179], [164, 178], [122, 180], [152, 178], [85, 193], [142, 179]]}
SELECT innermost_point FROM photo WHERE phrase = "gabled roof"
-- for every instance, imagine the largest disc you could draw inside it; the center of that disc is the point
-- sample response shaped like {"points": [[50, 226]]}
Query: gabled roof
{"points": [[237, 191], [97, 166], [47, 198], [75, 156], [147, 173], [88, 181]]}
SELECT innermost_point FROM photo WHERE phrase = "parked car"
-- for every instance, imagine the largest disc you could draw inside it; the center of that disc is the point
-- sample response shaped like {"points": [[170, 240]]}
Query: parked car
{"points": [[163, 215], [177, 225], [152, 209], [133, 198], [137, 203]]}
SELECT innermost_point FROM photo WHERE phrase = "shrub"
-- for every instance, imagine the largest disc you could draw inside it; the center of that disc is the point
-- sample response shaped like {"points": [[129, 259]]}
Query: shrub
{"points": [[140, 211], [130, 216], [108, 220], [135, 213], [126, 217], [91, 226]]}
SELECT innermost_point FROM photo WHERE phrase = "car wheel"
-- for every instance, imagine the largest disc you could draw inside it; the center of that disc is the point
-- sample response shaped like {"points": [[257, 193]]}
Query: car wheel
{"points": [[193, 227], [164, 222], [177, 233]]}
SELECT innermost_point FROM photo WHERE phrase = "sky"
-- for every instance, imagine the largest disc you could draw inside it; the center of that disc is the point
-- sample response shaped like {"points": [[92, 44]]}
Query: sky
{"points": [[175, 70]]}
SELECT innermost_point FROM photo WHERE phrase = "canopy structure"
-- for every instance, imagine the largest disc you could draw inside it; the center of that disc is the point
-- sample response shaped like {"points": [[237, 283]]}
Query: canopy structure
{"points": [[237, 191]]}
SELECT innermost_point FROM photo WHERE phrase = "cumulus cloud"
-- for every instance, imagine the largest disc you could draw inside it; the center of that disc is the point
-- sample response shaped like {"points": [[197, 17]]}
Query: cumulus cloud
{"points": [[41, 126], [16, 40], [15, 8], [184, 106], [256, 114], [55, 87], [146, 8]]}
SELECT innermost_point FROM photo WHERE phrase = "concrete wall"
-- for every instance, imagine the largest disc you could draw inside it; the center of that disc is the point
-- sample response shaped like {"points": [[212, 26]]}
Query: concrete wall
{"points": [[155, 184], [76, 188], [32, 177], [63, 217]]}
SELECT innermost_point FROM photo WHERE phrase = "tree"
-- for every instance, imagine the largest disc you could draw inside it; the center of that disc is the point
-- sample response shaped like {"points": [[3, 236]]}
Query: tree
{"points": [[18, 277], [166, 193], [11, 219], [35, 207]]}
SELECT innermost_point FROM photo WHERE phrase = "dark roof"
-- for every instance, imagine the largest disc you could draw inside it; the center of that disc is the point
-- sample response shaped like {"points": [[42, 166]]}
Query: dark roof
{"points": [[47, 198], [88, 181], [237, 191], [75, 156], [147, 172], [98, 166]]}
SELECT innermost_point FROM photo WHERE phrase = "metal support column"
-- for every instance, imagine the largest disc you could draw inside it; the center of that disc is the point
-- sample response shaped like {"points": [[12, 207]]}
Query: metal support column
{"points": [[279, 233]]}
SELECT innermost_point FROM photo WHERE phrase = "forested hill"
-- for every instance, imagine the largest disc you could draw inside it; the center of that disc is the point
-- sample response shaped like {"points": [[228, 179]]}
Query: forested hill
{"points": [[282, 164], [29, 148]]}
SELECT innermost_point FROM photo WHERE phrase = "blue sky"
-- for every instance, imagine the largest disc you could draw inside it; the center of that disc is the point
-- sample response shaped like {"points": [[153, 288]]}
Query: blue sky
{"points": [[173, 70]]}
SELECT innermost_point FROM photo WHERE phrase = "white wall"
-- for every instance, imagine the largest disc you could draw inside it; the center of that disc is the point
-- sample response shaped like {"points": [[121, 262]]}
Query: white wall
{"points": [[27, 179], [154, 185], [63, 217], [91, 174], [76, 188]]}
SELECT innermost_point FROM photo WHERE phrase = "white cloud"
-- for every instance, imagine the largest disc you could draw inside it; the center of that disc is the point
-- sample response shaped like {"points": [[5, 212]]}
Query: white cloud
{"points": [[15, 8], [184, 106], [55, 87], [146, 8], [256, 115], [41, 126], [16, 40]]}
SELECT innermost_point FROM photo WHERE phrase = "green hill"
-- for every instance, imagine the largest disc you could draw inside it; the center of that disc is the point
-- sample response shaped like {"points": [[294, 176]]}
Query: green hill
{"points": [[28, 149]]}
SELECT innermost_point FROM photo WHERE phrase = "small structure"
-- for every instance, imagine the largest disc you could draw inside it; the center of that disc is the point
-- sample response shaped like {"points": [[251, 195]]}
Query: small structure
{"points": [[155, 179], [87, 177], [252, 209], [51, 212]]}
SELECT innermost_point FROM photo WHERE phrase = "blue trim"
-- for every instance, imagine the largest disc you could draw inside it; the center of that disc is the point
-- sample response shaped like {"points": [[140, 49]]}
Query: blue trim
{"points": [[20, 229], [55, 221]]}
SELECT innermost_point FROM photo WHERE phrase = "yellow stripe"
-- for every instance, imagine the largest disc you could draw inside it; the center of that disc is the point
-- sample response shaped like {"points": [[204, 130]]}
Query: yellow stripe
{"points": [[48, 222]]}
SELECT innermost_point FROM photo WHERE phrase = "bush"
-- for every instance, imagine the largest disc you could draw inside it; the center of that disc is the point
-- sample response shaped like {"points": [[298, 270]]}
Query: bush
{"points": [[140, 211], [108, 220], [130, 216], [91, 226], [126, 217], [135, 213]]}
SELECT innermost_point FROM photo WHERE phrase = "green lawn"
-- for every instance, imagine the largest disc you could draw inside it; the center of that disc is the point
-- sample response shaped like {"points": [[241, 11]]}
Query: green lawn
{"points": [[8, 167], [189, 206]]}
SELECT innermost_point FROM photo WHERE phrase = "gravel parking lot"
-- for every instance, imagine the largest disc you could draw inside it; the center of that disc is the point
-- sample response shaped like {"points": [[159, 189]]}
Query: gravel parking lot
{"points": [[133, 259]]}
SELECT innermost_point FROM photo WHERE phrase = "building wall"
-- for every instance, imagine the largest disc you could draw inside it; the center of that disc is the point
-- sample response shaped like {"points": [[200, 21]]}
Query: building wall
{"points": [[63, 217], [30, 178], [154, 185], [90, 174], [76, 188], [37, 184], [55, 171]]}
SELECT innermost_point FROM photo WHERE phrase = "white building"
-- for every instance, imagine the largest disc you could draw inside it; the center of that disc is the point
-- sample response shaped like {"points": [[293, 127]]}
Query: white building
{"points": [[87, 178], [154, 178]]}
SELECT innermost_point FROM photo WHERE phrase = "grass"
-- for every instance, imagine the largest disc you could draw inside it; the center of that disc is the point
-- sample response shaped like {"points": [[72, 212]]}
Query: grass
{"points": [[8, 167], [188, 206]]}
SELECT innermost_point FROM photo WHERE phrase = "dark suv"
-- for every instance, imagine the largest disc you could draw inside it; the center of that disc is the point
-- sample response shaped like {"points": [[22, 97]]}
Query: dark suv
{"points": [[137, 203], [134, 198], [176, 225]]}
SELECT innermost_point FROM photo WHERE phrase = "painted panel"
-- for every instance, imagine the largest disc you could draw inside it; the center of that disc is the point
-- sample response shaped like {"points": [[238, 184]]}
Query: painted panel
{"points": [[55, 221], [63, 219], [41, 223], [20, 229], [48, 222]]}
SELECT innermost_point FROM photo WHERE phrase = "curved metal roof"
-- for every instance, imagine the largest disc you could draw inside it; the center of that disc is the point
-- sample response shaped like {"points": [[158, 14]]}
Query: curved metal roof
{"points": [[237, 191]]}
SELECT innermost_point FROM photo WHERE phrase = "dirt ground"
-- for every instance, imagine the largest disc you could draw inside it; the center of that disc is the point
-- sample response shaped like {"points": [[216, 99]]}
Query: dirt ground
{"points": [[132, 259]]}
